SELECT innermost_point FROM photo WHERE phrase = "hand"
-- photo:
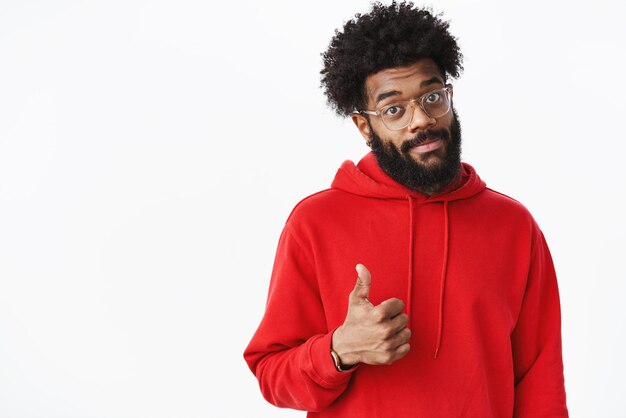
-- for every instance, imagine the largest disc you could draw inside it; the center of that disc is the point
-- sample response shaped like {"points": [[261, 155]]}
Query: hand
{"points": [[371, 334]]}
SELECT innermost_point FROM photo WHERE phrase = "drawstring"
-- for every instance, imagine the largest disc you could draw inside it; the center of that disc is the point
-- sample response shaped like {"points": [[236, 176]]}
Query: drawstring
{"points": [[444, 269], [411, 244]]}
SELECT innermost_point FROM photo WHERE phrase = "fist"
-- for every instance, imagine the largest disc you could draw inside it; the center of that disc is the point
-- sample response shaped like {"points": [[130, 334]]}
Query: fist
{"points": [[371, 334]]}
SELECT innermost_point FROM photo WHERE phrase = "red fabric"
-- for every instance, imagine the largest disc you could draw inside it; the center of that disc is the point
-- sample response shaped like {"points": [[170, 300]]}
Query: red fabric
{"points": [[483, 295]]}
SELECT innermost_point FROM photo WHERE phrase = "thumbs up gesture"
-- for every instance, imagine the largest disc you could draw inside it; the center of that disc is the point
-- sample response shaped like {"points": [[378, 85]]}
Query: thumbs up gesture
{"points": [[371, 334]]}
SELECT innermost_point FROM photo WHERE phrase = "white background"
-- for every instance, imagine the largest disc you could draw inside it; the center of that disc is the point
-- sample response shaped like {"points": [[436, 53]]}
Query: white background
{"points": [[150, 152]]}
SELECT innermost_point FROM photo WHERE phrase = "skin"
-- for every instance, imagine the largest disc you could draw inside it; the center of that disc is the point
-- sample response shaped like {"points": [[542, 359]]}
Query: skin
{"points": [[377, 334], [371, 334]]}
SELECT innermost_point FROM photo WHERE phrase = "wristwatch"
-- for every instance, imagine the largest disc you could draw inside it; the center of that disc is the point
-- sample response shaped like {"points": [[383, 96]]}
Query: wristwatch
{"points": [[340, 367]]}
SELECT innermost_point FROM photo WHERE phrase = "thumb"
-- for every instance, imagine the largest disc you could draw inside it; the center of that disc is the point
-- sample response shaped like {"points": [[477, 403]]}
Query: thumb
{"points": [[363, 284]]}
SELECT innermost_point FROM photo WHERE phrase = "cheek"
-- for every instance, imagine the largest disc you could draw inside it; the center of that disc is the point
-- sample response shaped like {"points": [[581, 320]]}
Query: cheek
{"points": [[397, 138], [399, 141], [394, 138], [445, 121]]}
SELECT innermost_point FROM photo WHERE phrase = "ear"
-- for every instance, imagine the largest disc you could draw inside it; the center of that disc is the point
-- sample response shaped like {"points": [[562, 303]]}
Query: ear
{"points": [[362, 125]]}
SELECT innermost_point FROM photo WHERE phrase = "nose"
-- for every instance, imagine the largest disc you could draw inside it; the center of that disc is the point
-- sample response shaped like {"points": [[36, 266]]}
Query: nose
{"points": [[420, 119]]}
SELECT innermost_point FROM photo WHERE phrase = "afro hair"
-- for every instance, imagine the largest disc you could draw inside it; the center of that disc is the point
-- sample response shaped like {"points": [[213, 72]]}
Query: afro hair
{"points": [[388, 36]]}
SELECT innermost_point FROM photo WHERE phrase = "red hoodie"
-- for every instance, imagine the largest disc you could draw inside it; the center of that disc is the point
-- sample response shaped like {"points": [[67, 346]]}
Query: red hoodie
{"points": [[479, 286]]}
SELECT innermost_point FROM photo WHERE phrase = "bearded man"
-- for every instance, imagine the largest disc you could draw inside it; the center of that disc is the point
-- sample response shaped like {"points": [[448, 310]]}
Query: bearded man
{"points": [[454, 308]]}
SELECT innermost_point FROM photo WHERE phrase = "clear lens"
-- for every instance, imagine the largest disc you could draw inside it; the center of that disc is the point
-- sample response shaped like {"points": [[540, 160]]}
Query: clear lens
{"points": [[395, 112], [436, 103]]}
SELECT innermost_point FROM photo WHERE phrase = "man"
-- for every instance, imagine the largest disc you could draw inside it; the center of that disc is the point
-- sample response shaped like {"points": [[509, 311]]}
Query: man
{"points": [[454, 307]]}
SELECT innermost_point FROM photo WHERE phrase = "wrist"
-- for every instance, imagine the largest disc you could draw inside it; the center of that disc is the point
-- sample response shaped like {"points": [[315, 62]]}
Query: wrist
{"points": [[339, 366], [343, 358]]}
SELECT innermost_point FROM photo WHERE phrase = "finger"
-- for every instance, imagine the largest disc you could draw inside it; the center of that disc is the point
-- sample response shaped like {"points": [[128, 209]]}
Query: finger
{"points": [[388, 357], [399, 339], [399, 323], [401, 351], [361, 290], [391, 307]]}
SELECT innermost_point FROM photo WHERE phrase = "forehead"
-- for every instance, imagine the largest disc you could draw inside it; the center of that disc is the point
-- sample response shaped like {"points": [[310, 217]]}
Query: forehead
{"points": [[402, 79]]}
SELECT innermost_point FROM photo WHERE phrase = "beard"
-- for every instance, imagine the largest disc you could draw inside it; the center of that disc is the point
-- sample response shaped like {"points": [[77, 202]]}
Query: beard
{"points": [[426, 178]]}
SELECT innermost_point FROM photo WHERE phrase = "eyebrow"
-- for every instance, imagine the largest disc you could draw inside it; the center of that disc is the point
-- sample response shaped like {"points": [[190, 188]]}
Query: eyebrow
{"points": [[425, 83]]}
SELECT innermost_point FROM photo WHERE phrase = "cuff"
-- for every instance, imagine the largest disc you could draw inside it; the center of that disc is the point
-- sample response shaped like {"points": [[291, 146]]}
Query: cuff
{"points": [[322, 364]]}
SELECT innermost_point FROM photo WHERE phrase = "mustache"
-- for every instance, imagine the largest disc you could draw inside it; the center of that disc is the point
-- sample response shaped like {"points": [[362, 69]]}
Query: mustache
{"points": [[441, 133]]}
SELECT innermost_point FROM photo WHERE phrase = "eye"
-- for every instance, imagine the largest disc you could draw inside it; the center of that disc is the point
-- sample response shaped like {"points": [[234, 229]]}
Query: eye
{"points": [[433, 97], [393, 111]]}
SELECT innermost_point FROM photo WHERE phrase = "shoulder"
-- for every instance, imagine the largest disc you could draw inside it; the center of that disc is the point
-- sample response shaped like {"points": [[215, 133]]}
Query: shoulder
{"points": [[505, 207], [321, 203], [503, 201], [324, 213]]}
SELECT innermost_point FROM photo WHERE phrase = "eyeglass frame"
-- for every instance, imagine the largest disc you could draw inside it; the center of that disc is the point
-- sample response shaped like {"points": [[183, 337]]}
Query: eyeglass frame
{"points": [[418, 100]]}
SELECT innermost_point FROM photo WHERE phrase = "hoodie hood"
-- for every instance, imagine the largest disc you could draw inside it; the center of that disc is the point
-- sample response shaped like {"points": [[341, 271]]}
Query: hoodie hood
{"points": [[369, 180]]}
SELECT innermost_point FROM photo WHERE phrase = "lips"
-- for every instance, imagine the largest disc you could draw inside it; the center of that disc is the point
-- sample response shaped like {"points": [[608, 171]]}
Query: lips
{"points": [[427, 141], [427, 145]]}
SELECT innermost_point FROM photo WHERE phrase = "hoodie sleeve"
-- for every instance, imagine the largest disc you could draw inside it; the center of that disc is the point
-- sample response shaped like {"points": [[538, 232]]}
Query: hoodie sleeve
{"points": [[536, 341], [290, 351]]}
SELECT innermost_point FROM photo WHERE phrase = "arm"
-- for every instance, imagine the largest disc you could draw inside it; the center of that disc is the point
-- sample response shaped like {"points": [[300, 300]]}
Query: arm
{"points": [[536, 341], [290, 352]]}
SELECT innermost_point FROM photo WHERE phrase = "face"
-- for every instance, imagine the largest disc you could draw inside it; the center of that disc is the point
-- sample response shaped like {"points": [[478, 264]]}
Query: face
{"points": [[426, 155]]}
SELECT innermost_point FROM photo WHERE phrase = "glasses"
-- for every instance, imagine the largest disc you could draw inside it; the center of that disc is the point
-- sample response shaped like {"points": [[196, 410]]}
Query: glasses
{"points": [[397, 116]]}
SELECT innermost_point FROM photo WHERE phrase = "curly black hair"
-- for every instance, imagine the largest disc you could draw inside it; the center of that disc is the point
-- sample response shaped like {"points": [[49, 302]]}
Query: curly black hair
{"points": [[389, 36]]}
